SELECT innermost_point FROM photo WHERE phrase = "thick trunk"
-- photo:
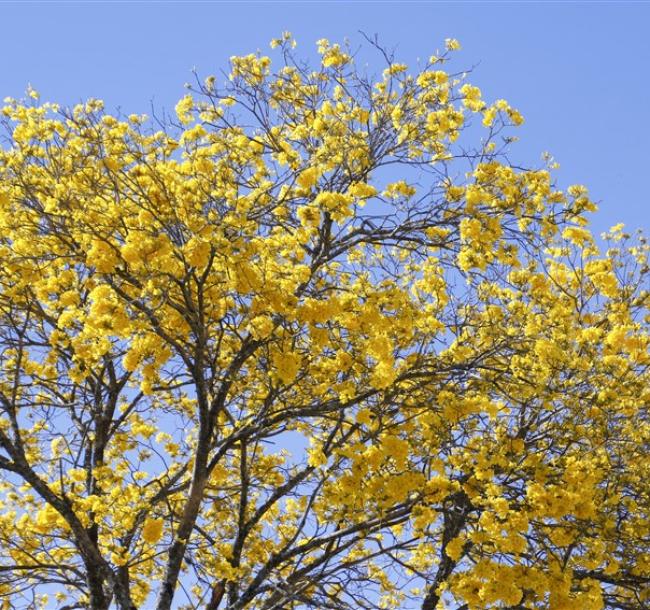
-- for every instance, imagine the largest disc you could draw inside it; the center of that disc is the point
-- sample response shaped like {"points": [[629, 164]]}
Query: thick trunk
{"points": [[97, 598], [178, 547], [208, 413], [455, 519]]}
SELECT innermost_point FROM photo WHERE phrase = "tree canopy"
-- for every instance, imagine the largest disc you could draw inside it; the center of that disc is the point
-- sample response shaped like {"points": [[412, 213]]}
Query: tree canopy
{"points": [[314, 342]]}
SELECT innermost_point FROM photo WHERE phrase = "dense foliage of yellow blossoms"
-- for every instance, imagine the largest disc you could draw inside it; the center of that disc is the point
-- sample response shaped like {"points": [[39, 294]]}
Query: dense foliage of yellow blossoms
{"points": [[314, 343]]}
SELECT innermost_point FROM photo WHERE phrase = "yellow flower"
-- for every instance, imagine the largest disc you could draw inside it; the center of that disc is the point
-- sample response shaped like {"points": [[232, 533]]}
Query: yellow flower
{"points": [[451, 44], [308, 177], [184, 109], [152, 530], [286, 366]]}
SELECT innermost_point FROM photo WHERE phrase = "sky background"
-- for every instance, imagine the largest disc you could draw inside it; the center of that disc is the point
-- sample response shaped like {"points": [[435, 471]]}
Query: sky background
{"points": [[578, 71]]}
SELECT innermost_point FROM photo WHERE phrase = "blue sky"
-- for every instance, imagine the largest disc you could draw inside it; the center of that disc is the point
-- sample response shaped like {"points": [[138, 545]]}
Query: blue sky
{"points": [[576, 70]]}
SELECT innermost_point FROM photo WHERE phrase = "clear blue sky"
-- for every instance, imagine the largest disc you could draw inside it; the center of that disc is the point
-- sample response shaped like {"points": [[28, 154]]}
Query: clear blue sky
{"points": [[578, 71]]}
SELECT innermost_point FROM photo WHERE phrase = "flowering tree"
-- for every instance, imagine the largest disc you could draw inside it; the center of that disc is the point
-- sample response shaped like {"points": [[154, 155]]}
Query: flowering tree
{"points": [[318, 344]]}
